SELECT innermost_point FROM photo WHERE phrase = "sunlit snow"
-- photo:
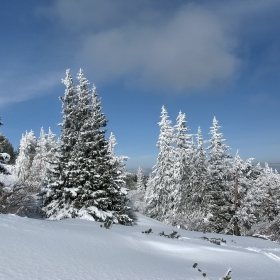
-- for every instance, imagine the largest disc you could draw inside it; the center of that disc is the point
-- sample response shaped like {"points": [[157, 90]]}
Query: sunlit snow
{"points": [[80, 249]]}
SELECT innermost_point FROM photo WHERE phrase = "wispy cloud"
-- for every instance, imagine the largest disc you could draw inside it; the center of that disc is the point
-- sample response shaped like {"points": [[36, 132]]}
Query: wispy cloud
{"points": [[190, 51], [26, 87], [263, 100]]}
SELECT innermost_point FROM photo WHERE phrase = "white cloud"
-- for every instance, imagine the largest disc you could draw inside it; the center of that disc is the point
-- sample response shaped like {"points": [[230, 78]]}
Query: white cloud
{"points": [[189, 51], [148, 45], [163, 45]]}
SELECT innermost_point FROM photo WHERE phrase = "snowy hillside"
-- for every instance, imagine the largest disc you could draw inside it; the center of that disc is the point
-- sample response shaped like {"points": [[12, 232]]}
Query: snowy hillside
{"points": [[79, 249]]}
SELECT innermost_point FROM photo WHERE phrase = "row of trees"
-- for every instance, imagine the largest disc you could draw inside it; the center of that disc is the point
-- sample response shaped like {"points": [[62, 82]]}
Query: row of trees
{"points": [[206, 189]]}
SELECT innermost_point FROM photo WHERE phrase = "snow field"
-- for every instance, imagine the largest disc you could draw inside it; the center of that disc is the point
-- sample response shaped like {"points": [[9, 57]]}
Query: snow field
{"points": [[79, 249]]}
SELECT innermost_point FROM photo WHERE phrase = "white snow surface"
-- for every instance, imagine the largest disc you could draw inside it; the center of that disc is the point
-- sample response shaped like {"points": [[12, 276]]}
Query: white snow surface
{"points": [[80, 249]]}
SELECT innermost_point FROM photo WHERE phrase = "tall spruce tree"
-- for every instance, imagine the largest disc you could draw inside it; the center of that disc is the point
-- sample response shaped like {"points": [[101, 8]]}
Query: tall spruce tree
{"points": [[182, 168], [83, 182], [220, 200], [161, 181]]}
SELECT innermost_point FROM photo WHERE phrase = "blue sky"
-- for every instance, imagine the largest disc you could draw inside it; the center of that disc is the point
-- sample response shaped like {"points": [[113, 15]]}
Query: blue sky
{"points": [[205, 58]]}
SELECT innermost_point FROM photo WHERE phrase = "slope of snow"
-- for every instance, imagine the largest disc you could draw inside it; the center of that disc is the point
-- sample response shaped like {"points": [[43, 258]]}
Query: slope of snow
{"points": [[79, 249]]}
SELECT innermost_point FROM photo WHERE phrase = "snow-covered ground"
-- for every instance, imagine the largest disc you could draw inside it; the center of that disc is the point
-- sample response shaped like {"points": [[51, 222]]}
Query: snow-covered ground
{"points": [[79, 249]]}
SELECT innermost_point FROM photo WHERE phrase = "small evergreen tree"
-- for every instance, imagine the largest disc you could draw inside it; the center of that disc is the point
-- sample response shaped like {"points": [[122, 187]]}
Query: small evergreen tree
{"points": [[27, 152], [117, 162], [7, 148], [140, 184], [4, 157], [43, 157]]}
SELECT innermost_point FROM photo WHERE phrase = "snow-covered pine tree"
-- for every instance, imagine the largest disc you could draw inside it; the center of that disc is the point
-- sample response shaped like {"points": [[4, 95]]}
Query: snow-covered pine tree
{"points": [[199, 174], [161, 182], [5, 156], [263, 201], [38, 163], [23, 200], [240, 183], [256, 193], [58, 173], [27, 152], [84, 183], [140, 184], [43, 157], [220, 202], [117, 162], [270, 206], [7, 148], [198, 205], [180, 193]]}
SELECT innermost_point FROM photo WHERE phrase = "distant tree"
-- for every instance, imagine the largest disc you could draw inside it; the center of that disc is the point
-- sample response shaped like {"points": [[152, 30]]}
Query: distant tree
{"points": [[140, 184], [131, 181], [83, 183], [137, 196]]}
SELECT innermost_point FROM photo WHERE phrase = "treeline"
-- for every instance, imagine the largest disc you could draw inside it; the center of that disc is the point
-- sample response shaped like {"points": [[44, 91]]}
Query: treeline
{"points": [[195, 184], [206, 189]]}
